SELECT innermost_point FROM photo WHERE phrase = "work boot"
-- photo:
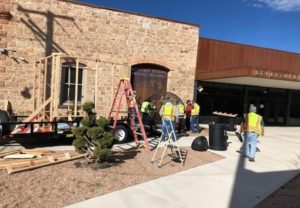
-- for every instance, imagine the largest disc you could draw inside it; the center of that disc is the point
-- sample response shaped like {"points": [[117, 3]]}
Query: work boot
{"points": [[251, 159]]}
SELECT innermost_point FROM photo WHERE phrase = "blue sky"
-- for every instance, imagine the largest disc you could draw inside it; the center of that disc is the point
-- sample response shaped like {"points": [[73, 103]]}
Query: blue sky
{"points": [[267, 23]]}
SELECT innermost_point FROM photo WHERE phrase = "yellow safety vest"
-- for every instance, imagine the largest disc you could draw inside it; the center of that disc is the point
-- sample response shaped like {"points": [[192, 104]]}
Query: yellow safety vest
{"points": [[180, 109], [168, 112], [196, 110], [253, 123], [145, 107]]}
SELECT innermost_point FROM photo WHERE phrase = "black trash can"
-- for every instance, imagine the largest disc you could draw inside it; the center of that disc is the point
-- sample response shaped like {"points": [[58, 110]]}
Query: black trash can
{"points": [[218, 137]]}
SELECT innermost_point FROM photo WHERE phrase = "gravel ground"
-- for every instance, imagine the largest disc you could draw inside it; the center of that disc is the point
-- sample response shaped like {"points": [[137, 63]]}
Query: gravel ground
{"points": [[67, 183], [288, 196]]}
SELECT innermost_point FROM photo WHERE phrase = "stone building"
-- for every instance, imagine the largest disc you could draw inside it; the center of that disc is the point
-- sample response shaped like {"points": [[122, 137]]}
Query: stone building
{"points": [[124, 43]]}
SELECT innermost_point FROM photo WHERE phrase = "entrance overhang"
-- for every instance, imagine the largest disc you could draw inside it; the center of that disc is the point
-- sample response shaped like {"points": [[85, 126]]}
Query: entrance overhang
{"points": [[263, 82], [252, 76]]}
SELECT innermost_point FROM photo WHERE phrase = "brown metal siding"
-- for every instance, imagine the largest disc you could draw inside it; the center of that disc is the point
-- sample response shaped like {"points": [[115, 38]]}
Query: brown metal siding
{"points": [[218, 56]]}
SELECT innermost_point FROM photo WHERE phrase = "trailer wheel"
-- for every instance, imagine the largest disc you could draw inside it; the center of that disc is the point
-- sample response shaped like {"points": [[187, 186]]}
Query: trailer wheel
{"points": [[121, 132], [4, 119]]}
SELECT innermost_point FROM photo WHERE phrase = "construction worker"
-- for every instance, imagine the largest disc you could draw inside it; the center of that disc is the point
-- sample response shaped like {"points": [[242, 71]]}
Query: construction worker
{"points": [[146, 111], [188, 109], [253, 127], [180, 107], [195, 117], [169, 114]]}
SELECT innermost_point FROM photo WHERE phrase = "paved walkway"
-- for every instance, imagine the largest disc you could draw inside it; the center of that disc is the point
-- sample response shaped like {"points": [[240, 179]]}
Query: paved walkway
{"points": [[230, 182]]}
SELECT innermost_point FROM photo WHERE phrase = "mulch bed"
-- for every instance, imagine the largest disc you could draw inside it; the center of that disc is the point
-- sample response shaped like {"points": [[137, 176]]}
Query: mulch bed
{"points": [[70, 182]]}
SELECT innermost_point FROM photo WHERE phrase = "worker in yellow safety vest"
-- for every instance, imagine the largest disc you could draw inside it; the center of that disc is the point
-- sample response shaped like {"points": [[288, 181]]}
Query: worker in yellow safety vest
{"points": [[169, 114], [146, 110], [195, 117], [253, 127], [181, 108]]}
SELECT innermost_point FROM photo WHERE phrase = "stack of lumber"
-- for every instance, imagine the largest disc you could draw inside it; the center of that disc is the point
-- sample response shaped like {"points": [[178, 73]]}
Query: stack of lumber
{"points": [[224, 114], [15, 161]]}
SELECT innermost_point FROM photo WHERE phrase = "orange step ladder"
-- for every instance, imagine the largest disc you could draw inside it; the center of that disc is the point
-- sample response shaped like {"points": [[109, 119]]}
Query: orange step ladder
{"points": [[125, 92]]}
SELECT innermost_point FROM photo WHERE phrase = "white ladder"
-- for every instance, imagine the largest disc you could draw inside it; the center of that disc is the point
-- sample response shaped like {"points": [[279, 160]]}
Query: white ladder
{"points": [[168, 143]]}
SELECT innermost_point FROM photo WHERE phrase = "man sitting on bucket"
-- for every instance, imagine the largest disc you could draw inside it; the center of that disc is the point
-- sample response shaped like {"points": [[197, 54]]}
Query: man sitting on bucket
{"points": [[169, 114], [253, 127]]}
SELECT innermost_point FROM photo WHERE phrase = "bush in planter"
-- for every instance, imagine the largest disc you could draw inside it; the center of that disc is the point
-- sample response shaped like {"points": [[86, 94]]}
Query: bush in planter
{"points": [[94, 136]]}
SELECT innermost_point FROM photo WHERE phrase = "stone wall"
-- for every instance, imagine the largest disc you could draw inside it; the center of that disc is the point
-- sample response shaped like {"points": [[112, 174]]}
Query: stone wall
{"points": [[118, 39], [5, 16]]}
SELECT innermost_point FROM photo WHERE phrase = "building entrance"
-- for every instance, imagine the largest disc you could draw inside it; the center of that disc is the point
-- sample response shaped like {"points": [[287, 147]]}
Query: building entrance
{"points": [[148, 80], [279, 107]]}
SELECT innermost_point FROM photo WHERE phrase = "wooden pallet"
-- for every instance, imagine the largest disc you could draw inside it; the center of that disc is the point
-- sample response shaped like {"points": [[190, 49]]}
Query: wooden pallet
{"points": [[16, 166]]}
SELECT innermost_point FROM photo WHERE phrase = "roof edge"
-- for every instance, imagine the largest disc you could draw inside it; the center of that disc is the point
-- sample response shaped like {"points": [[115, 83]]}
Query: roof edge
{"points": [[128, 12], [255, 46]]}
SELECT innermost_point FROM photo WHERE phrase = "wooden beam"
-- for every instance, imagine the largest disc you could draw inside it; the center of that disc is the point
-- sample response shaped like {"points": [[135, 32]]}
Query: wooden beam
{"points": [[11, 171], [39, 86], [20, 156], [38, 110], [34, 86], [76, 87], [4, 153], [45, 85], [68, 95], [57, 84], [52, 87]]}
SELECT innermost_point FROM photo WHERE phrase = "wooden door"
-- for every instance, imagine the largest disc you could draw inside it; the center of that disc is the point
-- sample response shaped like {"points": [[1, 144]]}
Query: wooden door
{"points": [[148, 80]]}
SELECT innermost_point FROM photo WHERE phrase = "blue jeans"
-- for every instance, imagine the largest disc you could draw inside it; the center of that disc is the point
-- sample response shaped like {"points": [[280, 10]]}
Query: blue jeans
{"points": [[166, 127], [250, 144], [195, 123]]}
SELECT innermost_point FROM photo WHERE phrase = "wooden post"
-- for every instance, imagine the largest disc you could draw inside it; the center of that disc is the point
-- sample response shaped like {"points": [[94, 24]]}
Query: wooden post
{"points": [[52, 86], [34, 86], [39, 84], [45, 85], [76, 87], [57, 84], [69, 85]]}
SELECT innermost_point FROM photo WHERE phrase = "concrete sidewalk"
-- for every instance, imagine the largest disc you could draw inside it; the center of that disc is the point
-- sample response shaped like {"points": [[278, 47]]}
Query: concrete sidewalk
{"points": [[230, 182]]}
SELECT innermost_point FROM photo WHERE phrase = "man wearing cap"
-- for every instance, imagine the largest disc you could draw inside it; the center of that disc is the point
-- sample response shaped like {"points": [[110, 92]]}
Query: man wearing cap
{"points": [[169, 114], [180, 108], [253, 127], [195, 117]]}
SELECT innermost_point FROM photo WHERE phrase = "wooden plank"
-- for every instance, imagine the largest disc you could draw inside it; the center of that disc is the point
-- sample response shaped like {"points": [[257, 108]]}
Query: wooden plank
{"points": [[39, 86], [68, 156], [20, 156], [34, 86], [76, 87], [52, 87], [57, 84], [11, 171], [45, 85], [5, 153], [38, 110], [36, 151], [18, 163], [69, 85], [51, 159]]}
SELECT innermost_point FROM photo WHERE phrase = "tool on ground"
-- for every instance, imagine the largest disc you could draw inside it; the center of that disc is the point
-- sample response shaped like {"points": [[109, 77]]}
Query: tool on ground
{"points": [[168, 142], [125, 91]]}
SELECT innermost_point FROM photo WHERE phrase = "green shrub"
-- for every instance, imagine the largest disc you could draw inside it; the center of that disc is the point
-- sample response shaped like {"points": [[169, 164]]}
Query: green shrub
{"points": [[94, 137]]}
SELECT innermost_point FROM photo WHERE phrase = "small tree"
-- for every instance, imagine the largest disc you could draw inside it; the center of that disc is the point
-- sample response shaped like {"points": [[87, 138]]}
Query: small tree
{"points": [[94, 136]]}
